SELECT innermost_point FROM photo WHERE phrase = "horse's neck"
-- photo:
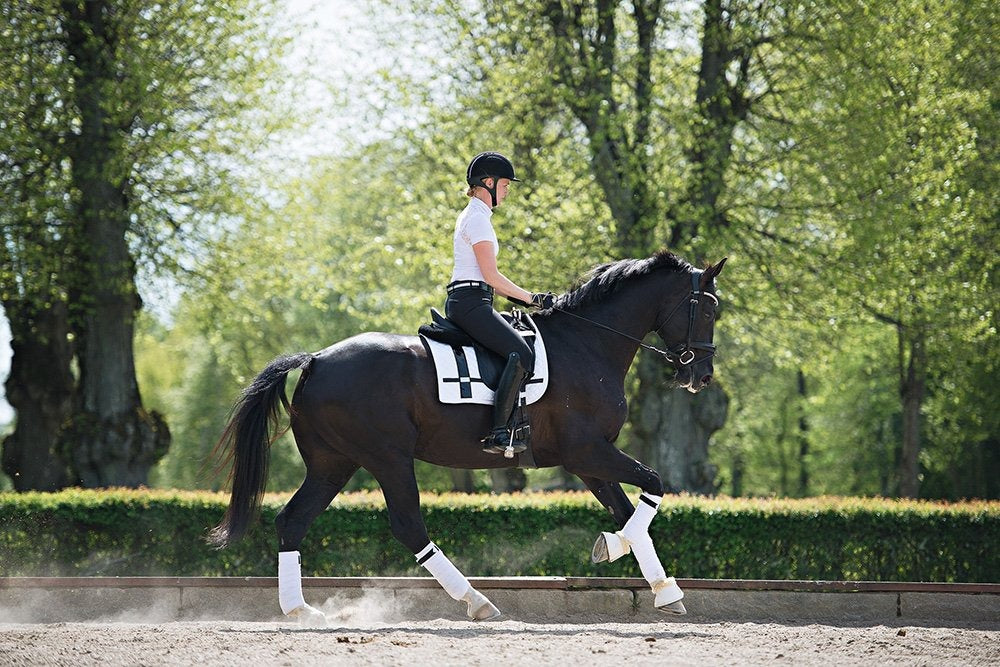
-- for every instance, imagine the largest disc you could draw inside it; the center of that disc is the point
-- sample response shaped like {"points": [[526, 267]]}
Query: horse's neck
{"points": [[631, 311]]}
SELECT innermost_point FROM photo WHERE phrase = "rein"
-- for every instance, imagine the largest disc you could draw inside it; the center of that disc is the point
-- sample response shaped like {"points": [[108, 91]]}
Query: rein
{"points": [[685, 352]]}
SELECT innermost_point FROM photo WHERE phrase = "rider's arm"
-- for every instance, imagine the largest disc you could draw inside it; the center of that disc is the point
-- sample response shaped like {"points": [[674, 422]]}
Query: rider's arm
{"points": [[486, 258]]}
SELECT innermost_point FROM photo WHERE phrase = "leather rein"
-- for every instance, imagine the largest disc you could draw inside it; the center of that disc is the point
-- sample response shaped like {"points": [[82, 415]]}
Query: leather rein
{"points": [[683, 353]]}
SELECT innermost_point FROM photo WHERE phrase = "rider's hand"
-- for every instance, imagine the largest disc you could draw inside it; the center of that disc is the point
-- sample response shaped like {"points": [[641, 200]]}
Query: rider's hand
{"points": [[543, 300]]}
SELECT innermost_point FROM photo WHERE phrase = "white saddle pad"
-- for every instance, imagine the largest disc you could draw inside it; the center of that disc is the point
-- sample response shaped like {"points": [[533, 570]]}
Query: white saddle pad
{"points": [[459, 379]]}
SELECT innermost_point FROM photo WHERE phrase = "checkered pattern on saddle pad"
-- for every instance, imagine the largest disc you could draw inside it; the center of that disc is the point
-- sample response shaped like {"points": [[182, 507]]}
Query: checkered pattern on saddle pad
{"points": [[460, 379]]}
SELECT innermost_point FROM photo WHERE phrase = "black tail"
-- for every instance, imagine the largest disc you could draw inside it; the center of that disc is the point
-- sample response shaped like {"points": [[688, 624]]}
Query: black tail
{"points": [[246, 441]]}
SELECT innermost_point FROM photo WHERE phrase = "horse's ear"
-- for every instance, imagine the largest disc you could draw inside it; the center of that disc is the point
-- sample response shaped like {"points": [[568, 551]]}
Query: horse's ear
{"points": [[711, 272]]}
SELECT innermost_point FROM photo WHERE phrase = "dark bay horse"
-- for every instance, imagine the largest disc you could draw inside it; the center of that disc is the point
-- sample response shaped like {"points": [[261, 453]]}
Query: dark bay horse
{"points": [[371, 402]]}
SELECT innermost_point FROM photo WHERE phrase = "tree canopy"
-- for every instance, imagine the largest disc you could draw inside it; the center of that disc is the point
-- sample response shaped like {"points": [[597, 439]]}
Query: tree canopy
{"points": [[842, 155], [121, 122]]}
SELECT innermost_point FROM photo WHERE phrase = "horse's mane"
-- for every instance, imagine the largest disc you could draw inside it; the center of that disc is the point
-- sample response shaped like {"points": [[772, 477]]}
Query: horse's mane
{"points": [[606, 279]]}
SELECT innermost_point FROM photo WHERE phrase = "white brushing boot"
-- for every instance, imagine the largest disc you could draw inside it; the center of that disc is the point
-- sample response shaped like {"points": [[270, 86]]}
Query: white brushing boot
{"points": [[293, 605]]}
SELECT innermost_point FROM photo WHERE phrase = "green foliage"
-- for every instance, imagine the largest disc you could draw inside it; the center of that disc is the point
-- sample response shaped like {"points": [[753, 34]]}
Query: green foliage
{"points": [[872, 247], [127, 134], [162, 533], [857, 193], [194, 95]]}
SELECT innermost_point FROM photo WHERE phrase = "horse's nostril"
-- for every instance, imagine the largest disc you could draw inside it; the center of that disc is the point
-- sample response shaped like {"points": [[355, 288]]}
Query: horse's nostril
{"points": [[707, 380]]}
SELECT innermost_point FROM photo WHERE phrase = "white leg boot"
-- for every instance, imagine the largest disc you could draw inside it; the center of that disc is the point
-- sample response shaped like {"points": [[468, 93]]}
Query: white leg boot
{"points": [[668, 597], [636, 532], [455, 583], [290, 597]]}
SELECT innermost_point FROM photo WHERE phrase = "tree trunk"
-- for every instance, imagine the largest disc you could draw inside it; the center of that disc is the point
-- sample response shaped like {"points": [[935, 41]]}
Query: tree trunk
{"points": [[586, 65], [912, 389], [676, 424], [114, 440], [803, 438], [738, 469], [40, 388], [673, 427], [462, 481], [720, 104], [508, 480], [780, 441]]}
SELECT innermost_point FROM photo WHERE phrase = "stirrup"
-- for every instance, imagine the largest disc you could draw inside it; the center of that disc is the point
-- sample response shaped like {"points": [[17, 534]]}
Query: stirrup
{"points": [[504, 440]]}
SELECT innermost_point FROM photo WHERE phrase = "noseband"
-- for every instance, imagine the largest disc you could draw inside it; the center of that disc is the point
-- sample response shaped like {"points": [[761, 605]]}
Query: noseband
{"points": [[683, 353]]}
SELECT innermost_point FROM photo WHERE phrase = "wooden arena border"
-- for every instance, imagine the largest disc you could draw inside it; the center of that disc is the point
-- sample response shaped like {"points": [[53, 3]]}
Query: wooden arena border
{"points": [[540, 599], [525, 583]]}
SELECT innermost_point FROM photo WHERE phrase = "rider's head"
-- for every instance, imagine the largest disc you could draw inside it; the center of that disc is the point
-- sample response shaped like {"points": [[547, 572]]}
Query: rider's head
{"points": [[492, 172]]}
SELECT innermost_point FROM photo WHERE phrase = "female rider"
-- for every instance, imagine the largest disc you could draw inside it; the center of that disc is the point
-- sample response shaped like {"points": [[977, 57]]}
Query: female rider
{"points": [[475, 278]]}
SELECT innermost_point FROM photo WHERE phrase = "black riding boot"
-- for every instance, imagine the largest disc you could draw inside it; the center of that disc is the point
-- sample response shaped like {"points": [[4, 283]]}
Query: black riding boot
{"points": [[504, 432]]}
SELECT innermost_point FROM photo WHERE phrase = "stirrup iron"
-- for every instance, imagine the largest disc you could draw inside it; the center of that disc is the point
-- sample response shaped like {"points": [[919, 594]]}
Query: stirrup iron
{"points": [[520, 434], [507, 441]]}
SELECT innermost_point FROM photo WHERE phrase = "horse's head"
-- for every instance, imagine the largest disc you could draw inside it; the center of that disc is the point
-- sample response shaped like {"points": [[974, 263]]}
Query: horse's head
{"points": [[689, 340]]}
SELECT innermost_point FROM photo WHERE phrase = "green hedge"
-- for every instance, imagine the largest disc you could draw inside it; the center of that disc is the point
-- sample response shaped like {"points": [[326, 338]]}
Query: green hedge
{"points": [[124, 532]]}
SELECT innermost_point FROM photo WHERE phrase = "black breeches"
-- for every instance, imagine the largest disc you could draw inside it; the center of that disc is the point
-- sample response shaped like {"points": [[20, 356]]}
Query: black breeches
{"points": [[472, 309]]}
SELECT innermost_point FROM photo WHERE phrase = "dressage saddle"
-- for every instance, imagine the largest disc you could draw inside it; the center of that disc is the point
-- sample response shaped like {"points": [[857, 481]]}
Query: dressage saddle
{"points": [[491, 364]]}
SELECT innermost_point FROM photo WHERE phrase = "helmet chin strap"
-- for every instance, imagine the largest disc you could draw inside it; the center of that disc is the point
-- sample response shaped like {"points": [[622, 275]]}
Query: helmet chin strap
{"points": [[491, 190]]}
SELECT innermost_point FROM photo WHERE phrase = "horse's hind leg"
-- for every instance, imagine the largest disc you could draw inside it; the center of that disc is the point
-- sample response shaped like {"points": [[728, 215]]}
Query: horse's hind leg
{"points": [[314, 496], [402, 499]]}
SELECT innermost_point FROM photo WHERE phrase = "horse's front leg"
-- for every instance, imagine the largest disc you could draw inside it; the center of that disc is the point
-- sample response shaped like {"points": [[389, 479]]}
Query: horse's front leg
{"points": [[602, 471], [611, 495]]}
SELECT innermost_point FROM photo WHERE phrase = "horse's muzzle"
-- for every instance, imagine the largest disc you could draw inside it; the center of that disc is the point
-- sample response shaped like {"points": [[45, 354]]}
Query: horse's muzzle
{"points": [[695, 380], [695, 386]]}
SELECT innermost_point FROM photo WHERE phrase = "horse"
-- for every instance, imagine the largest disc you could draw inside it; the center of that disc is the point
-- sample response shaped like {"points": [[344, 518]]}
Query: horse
{"points": [[370, 402]]}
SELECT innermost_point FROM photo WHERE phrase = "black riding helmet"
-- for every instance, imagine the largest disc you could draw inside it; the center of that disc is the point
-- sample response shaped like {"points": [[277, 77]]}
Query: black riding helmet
{"points": [[489, 165]]}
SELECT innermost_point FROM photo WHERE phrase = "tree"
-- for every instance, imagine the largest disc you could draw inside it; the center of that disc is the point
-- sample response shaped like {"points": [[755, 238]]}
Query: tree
{"points": [[34, 247], [777, 159], [130, 107], [608, 79], [963, 426], [896, 149]]}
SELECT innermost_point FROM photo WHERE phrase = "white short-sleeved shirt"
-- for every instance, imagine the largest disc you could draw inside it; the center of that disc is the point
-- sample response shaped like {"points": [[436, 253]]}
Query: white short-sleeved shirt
{"points": [[473, 225]]}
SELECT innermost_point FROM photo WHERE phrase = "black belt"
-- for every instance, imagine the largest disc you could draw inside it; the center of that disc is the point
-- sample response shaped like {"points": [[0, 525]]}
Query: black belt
{"points": [[465, 284]]}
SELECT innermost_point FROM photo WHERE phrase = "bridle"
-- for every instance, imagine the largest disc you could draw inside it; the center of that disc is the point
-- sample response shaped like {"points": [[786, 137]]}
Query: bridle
{"points": [[681, 354]]}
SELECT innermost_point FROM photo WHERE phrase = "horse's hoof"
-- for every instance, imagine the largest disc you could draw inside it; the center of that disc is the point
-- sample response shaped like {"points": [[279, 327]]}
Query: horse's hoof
{"points": [[609, 547], [480, 608], [668, 597], [599, 554], [676, 608], [308, 617], [486, 612]]}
